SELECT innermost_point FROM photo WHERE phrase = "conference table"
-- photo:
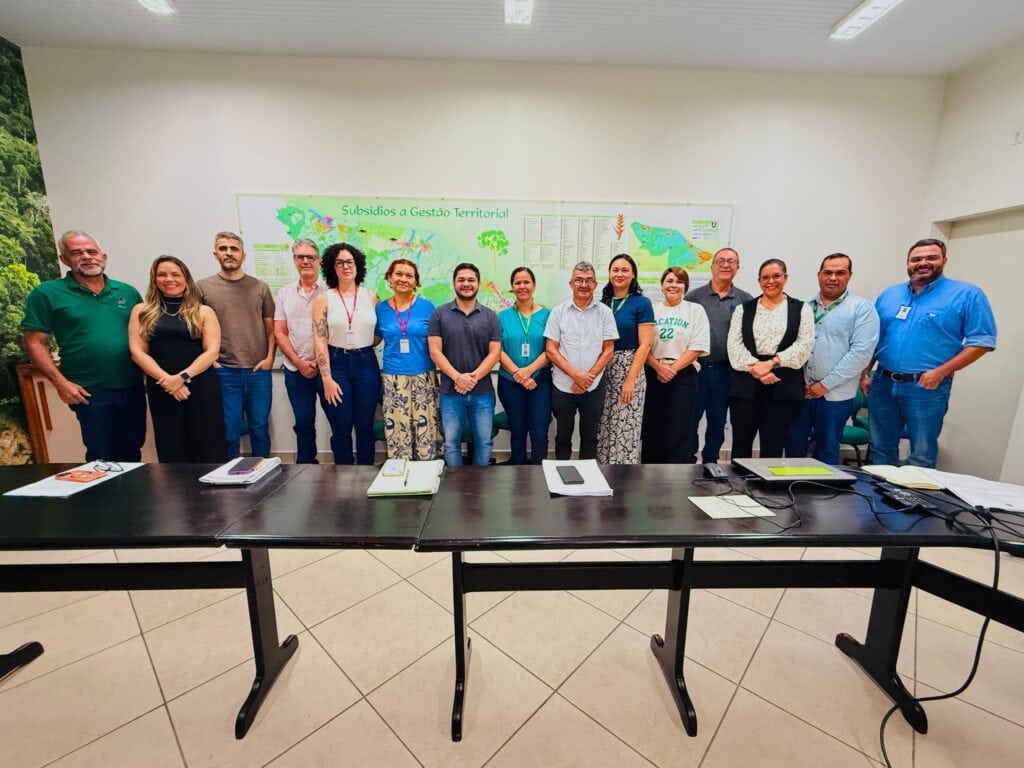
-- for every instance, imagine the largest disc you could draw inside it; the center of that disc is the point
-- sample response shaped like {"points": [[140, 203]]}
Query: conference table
{"points": [[495, 508], [508, 508], [156, 505]]}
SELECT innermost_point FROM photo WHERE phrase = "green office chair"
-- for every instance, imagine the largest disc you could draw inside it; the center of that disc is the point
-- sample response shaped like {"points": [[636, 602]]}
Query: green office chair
{"points": [[857, 434]]}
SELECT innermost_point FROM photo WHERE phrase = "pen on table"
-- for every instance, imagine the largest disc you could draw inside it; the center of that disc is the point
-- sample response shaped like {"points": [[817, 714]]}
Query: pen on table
{"points": [[405, 480]]}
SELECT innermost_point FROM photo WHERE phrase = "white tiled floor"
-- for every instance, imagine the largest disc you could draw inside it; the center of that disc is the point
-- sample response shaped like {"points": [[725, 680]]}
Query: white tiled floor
{"points": [[155, 679]]}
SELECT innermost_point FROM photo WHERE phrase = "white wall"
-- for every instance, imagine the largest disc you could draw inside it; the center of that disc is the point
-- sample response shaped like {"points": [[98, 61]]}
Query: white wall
{"points": [[977, 168], [147, 150], [978, 172]]}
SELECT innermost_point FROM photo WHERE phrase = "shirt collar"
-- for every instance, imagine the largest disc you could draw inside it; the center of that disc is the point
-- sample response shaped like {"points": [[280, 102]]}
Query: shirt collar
{"points": [[108, 285], [817, 298]]}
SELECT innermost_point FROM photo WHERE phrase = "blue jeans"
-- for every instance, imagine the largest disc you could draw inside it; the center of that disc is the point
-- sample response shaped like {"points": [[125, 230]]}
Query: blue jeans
{"points": [[474, 411], [824, 421], [895, 406], [529, 413], [303, 394], [244, 390], [358, 375], [113, 423], [712, 402]]}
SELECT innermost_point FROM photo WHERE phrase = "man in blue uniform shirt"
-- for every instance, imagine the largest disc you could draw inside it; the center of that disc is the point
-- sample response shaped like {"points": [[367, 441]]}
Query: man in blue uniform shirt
{"points": [[931, 327]]}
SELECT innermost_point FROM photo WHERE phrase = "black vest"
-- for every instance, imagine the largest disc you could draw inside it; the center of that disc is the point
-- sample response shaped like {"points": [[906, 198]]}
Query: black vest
{"points": [[791, 386]]}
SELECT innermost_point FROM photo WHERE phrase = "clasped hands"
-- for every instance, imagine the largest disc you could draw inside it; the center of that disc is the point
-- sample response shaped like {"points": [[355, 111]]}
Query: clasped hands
{"points": [[582, 381], [524, 380], [464, 383], [175, 386], [763, 371]]}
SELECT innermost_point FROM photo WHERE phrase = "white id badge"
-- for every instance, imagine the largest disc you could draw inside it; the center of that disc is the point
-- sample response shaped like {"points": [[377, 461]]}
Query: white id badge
{"points": [[403, 346], [526, 350], [350, 338], [904, 312]]}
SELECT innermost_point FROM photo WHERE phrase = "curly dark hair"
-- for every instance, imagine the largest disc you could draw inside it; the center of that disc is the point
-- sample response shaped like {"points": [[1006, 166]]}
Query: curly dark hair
{"points": [[331, 255]]}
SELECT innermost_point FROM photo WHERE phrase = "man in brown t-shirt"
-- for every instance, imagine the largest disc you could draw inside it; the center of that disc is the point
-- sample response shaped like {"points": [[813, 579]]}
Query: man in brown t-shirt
{"points": [[245, 308]]}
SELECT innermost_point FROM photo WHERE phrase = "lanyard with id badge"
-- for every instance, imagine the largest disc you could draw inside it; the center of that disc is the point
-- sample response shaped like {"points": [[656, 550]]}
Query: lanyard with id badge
{"points": [[403, 343], [525, 322], [350, 334]]}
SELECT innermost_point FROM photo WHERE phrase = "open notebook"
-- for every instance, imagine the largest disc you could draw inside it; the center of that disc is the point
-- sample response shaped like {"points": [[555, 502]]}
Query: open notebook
{"points": [[421, 478]]}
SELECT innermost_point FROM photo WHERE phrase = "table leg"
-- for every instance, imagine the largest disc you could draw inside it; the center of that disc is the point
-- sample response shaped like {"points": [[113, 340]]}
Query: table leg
{"points": [[270, 657], [19, 658], [462, 645], [878, 653], [670, 649]]}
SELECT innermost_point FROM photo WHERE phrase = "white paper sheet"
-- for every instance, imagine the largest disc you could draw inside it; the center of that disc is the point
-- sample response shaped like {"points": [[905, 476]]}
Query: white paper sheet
{"points": [[734, 505], [594, 482], [61, 489]]}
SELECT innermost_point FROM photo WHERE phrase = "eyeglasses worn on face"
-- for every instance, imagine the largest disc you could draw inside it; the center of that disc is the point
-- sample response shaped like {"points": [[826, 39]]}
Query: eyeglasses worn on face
{"points": [[305, 257], [583, 281], [727, 262], [344, 263], [771, 278]]}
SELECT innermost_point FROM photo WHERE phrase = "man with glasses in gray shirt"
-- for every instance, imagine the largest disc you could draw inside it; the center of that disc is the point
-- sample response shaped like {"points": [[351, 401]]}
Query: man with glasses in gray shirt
{"points": [[719, 297], [580, 337]]}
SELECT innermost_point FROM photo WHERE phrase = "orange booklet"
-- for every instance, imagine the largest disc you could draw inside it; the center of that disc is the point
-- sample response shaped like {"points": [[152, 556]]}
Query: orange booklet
{"points": [[81, 475]]}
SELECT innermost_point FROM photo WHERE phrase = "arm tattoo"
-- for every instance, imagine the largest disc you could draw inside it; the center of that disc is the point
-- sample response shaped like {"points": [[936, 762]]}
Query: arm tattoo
{"points": [[321, 327], [324, 364]]}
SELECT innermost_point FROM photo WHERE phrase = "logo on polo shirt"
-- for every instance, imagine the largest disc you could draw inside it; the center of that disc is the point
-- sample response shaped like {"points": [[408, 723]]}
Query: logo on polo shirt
{"points": [[122, 302]]}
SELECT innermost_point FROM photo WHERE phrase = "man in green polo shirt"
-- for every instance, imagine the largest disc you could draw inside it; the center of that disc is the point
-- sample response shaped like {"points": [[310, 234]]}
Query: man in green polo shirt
{"points": [[87, 313]]}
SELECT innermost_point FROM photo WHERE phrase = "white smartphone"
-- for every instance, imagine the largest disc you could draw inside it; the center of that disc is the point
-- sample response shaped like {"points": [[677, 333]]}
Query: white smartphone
{"points": [[393, 468]]}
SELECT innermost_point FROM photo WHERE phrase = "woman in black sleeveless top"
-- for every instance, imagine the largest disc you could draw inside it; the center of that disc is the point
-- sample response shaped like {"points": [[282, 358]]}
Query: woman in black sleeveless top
{"points": [[770, 340], [174, 339]]}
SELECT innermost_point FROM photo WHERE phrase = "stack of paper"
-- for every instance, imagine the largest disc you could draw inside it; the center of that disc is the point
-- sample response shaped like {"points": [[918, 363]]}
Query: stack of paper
{"points": [[907, 476], [221, 476], [981, 493], [593, 483], [421, 478]]}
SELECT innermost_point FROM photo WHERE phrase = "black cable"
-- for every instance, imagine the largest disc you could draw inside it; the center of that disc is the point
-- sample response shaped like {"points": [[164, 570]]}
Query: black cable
{"points": [[984, 516]]}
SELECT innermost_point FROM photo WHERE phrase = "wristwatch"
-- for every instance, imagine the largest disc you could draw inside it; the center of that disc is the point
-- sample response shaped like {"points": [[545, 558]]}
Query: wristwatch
{"points": [[185, 378]]}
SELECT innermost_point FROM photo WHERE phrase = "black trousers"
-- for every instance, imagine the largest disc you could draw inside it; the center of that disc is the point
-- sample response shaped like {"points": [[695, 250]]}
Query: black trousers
{"points": [[565, 405], [668, 430], [190, 430], [761, 416]]}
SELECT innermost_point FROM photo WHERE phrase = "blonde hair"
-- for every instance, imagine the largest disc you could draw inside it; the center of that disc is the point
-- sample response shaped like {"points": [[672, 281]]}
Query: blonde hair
{"points": [[152, 305]]}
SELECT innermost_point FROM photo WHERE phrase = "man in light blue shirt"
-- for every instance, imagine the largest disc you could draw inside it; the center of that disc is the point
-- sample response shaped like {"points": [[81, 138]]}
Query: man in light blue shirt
{"points": [[931, 327], [845, 334]]}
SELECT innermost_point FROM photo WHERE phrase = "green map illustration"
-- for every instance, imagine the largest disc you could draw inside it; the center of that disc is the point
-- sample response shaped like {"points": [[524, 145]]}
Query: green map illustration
{"points": [[496, 236]]}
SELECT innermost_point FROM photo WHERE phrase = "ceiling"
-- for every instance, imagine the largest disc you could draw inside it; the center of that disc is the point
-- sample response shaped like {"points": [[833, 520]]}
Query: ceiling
{"points": [[920, 37]]}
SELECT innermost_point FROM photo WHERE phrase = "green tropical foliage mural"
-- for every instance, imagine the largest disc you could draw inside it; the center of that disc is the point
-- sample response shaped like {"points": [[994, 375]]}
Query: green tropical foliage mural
{"points": [[27, 251]]}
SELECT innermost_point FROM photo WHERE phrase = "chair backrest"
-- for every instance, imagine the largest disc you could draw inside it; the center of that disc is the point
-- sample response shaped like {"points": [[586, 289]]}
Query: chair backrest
{"points": [[859, 401]]}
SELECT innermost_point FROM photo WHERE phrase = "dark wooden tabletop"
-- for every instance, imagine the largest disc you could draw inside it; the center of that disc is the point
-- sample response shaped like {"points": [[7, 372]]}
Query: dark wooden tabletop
{"points": [[509, 507], [327, 507], [154, 505]]}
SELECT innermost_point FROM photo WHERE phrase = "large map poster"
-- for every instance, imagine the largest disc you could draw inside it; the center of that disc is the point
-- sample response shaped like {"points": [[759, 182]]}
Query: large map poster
{"points": [[495, 235]]}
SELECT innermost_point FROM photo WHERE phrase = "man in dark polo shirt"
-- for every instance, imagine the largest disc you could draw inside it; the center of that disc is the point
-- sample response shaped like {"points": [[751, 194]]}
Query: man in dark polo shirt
{"points": [[719, 298], [87, 314], [464, 338]]}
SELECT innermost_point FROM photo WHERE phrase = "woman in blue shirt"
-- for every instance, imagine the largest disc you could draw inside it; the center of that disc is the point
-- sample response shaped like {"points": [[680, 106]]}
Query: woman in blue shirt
{"points": [[411, 413], [618, 436], [524, 379]]}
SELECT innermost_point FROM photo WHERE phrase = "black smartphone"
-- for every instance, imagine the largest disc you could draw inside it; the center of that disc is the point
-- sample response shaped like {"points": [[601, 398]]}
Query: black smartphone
{"points": [[245, 466], [570, 475]]}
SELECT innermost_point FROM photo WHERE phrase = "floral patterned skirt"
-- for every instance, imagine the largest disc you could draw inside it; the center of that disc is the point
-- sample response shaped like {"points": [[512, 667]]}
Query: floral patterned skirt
{"points": [[618, 437], [412, 417]]}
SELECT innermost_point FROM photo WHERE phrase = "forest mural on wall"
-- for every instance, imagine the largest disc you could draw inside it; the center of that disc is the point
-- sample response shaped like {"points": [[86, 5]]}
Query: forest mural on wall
{"points": [[28, 253]]}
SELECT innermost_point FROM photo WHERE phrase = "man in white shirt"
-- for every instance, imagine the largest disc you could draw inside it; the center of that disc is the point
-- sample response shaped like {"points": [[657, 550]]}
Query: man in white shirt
{"points": [[293, 330], [580, 337]]}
